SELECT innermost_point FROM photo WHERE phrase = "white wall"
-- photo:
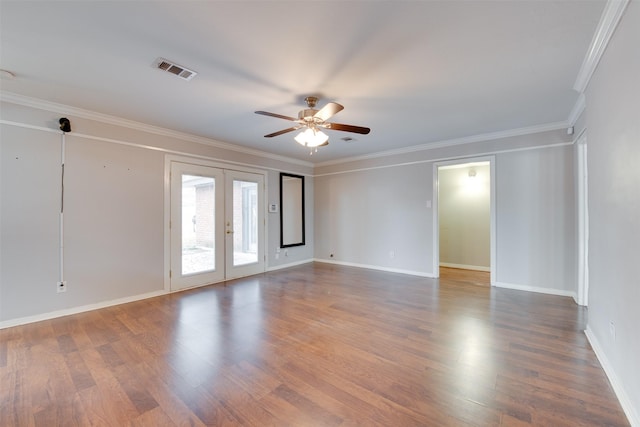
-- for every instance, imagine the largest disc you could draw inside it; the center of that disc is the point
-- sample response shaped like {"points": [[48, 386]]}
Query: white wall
{"points": [[361, 217], [296, 254], [464, 217], [29, 212], [536, 220], [371, 212], [114, 208], [113, 229], [367, 210], [613, 141]]}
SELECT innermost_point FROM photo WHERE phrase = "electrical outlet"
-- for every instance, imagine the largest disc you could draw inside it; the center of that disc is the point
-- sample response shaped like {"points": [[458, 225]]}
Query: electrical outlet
{"points": [[61, 287]]}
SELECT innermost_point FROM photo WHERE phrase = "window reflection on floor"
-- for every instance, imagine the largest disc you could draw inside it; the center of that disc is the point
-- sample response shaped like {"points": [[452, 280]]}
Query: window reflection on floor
{"points": [[221, 323]]}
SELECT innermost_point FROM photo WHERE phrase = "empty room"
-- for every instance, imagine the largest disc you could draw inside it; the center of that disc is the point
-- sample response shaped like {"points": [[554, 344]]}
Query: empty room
{"points": [[319, 213]]}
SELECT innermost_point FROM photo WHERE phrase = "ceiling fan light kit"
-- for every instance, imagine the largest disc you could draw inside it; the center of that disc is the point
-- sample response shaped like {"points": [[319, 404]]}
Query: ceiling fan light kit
{"points": [[311, 121], [312, 138]]}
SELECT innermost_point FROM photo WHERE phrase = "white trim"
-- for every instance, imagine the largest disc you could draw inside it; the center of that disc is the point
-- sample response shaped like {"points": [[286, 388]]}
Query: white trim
{"points": [[444, 159], [78, 112], [143, 127], [166, 229], [609, 20], [577, 137], [527, 288], [435, 222], [632, 415], [76, 310], [450, 142], [582, 183], [577, 110], [28, 126], [377, 267], [289, 265], [465, 266], [152, 148], [215, 163]]}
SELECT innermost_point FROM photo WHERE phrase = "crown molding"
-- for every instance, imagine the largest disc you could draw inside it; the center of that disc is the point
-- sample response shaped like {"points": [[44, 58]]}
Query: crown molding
{"points": [[609, 20], [447, 158], [143, 127], [577, 110], [450, 142]]}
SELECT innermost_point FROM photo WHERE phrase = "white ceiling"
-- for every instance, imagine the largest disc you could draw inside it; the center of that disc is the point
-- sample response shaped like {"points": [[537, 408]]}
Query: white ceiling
{"points": [[415, 72]]}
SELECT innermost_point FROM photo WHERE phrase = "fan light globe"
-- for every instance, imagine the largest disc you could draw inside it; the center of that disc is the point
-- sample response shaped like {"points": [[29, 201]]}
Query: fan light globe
{"points": [[311, 138]]}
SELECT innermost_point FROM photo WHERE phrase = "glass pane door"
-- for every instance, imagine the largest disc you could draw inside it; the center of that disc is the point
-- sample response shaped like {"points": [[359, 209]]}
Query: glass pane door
{"points": [[197, 246], [245, 223]]}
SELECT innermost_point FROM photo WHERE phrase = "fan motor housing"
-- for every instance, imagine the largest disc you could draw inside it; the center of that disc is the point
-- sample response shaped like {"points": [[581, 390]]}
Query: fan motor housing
{"points": [[307, 114]]}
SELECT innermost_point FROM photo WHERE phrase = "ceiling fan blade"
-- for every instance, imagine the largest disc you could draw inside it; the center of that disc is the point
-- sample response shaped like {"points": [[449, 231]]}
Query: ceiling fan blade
{"points": [[328, 111], [348, 128], [279, 116], [280, 132]]}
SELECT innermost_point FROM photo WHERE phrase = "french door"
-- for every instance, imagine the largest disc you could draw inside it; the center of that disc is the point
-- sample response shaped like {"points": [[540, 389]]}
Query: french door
{"points": [[216, 224]]}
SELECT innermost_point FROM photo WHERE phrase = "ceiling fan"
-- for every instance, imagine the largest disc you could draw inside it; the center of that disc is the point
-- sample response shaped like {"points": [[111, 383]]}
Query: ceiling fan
{"points": [[312, 122]]}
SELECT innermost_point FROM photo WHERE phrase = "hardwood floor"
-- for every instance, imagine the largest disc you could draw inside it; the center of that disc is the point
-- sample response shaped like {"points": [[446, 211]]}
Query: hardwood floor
{"points": [[471, 277], [314, 345]]}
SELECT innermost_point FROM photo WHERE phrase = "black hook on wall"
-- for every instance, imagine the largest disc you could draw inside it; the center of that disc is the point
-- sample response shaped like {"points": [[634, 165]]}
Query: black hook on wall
{"points": [[65, 125]]}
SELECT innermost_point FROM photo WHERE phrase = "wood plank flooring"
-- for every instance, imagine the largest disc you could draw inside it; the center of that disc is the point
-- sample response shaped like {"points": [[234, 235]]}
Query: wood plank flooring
{"points": [[314, 345], [471, 277]]}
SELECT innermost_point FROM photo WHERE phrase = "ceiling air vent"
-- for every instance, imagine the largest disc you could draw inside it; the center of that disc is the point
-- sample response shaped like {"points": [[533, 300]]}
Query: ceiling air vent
{"points": [[173, 68]]}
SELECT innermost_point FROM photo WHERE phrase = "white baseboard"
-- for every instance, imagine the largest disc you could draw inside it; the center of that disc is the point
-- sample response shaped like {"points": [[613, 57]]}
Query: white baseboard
{"points": [[76, 310], [631, 413], [536, 289], [465, 266], [291, 264], [376, 267]]}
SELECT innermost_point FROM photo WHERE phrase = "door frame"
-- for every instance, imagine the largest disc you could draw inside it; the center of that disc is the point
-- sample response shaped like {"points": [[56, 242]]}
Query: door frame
{"points": [[181, 281], [168, 159], [583, 221], [492, 220]]}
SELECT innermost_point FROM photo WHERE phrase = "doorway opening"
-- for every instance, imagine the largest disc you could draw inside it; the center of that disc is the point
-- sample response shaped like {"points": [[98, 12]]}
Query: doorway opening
{"points": [[464, 224]]}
